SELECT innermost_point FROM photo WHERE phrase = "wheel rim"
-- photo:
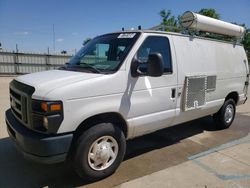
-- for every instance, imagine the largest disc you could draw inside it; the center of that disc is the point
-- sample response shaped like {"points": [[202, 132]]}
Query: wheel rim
{"points": [[229, 113], [102, 153]]}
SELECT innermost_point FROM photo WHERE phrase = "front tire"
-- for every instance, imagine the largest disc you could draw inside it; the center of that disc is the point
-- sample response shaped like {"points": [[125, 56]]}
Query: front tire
{"points": [[99, 151], [225, 116]]}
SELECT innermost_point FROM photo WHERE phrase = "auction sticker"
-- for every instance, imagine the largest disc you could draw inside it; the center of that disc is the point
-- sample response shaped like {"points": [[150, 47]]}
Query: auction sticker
{"points": [[126, 35]]}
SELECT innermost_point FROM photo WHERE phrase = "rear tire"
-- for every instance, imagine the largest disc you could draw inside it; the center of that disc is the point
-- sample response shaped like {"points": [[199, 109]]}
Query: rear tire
{"points": [[99, 151], [225, 116]]}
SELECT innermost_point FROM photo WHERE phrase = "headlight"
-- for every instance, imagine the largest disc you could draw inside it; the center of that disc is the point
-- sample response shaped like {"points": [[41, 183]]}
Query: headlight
{"points": [[47, 115]]}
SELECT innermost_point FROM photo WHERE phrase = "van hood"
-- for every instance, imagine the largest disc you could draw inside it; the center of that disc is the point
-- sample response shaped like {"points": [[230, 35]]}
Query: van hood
{"points": [[46, 81]]}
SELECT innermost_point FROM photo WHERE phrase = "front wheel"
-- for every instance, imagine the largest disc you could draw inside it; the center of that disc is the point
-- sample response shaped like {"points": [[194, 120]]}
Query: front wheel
{"points": [[225, 116], [99, 151]]}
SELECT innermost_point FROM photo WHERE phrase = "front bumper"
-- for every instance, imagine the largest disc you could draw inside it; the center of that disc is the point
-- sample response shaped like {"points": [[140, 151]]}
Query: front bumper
{"points": [[37, 146]]}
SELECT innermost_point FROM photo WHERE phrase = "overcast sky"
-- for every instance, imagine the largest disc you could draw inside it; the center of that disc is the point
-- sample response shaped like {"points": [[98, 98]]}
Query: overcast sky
{"points": [[29, 23]]}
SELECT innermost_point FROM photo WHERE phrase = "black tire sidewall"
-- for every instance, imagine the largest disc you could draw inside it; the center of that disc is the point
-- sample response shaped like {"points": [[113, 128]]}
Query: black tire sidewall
{"points": [[83, 145]]}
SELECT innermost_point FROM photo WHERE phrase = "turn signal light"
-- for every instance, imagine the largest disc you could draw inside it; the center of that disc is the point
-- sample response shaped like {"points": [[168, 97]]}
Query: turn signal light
{"points": [[46, 107], [55, 107]]}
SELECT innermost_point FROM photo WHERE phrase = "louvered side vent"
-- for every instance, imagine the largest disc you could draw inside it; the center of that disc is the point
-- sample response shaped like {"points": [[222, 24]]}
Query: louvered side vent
{"points": [[195, 92], [211, 83]]}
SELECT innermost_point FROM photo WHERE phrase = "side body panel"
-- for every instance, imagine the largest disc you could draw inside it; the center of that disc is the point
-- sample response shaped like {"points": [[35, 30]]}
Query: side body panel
{"points": [[206, 57]]}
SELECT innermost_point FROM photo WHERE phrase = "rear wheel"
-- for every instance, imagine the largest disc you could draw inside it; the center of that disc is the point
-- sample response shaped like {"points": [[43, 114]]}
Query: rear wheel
{"points": [[99, 151], [225, 116]]}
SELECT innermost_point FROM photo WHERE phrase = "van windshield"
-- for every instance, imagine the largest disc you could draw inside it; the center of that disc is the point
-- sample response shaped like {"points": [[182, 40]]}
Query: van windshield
{"points": [[103, 54]]}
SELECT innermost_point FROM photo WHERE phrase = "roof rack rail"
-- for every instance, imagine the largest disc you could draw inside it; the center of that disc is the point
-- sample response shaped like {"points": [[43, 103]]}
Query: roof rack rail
{"points": [[194, 24]]}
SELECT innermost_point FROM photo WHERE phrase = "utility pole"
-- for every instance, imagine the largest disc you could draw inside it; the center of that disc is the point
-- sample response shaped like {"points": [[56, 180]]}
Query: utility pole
{"points": [[16, 61], [17, 48], [54, 42]]}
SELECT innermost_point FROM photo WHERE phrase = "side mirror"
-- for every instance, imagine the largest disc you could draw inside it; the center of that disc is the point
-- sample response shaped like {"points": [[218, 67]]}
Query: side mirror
{"points": [[134, 67], [155, 65]]}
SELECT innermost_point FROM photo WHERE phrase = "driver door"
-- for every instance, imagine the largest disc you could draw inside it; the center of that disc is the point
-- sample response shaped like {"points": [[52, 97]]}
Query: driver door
{"points": [[153, 99]]}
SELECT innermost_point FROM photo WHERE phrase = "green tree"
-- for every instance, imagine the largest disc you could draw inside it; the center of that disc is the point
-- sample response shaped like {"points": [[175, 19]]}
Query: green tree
{"points": [[246, 43], [210, 12], [169, 22]]}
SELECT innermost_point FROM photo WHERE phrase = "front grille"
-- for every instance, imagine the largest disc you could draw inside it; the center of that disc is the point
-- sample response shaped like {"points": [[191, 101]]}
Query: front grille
{"points": [[18, 103]]}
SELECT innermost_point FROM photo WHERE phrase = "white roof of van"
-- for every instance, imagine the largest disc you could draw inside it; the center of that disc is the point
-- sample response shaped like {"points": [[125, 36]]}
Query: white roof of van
{"points": [[177, 34]]}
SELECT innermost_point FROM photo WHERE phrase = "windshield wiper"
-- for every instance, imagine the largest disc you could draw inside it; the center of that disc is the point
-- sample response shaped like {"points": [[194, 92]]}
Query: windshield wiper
{"points": [[95, 70], [86, 65]]}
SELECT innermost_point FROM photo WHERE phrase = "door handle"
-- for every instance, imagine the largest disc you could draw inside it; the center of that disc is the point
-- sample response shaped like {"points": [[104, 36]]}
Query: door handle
{"points": [[173, 93]]}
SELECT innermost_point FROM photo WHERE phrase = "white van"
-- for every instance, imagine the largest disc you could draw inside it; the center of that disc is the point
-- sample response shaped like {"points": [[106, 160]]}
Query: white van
{"points": [[123, 85]]}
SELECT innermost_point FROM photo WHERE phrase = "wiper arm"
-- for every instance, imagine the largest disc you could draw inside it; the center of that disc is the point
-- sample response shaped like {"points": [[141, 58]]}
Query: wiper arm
{"points": [[95, 70], [86, 65]]}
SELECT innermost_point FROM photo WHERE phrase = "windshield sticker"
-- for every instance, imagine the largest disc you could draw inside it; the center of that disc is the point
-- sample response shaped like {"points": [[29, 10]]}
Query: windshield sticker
{"points": [[126, 35]]}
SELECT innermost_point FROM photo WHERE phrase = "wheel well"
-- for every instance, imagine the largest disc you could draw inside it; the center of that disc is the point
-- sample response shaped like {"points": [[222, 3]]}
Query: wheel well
{"points": [[233, 95], [111, 117]]}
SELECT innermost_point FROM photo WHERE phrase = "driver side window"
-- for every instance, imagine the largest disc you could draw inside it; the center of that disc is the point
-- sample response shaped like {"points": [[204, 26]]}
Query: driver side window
{"points": [[156, 44]]}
